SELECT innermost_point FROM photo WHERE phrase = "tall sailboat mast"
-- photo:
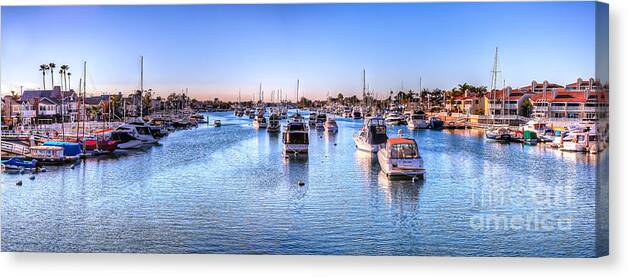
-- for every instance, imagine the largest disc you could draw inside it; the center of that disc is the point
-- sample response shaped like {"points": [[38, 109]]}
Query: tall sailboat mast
{"points": [[297, 96], [494, 73], [141, 86]]}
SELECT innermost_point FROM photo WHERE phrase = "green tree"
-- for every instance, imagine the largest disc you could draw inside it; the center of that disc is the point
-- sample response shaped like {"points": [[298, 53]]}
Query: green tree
{"points": [[43, 68], [527, 108], [52, 67]]}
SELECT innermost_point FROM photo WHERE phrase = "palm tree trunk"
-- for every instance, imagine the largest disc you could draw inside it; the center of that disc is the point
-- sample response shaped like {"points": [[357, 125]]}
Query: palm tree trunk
{"points": [[43, 78]]}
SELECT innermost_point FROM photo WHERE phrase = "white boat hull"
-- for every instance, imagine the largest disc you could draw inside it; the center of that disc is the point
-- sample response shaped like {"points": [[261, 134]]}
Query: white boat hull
{"points": [[418, 124], [259, 125], [400, 167], [571, 146], [365, 146], [295, 148], [132, 144], [331, 129]]}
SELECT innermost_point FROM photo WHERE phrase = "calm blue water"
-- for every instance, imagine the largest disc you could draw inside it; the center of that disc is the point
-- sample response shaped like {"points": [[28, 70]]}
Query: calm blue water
{"points": [[229, 190]]}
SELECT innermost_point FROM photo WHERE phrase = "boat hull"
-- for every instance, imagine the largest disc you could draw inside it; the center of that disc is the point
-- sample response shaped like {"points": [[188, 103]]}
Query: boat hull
{"points": [[413, 169], [295, 149], [365, 146]]}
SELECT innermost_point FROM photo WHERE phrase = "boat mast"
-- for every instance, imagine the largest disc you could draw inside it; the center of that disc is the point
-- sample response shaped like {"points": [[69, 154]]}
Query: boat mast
{"points": [[84, 92], [494, 73], [297, 96], [141, 86]]}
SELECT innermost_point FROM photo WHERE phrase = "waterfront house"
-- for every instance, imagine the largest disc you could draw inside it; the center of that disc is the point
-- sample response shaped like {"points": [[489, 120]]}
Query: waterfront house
{"points": [[571, 105], [507, 105], [535, 87], [469, 104], [97, 107], [54, 103], [9, 103]]}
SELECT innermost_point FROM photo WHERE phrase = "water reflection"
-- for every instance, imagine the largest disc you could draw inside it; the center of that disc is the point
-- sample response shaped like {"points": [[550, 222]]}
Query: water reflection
{"points": [[400, 191], [230, 190]]}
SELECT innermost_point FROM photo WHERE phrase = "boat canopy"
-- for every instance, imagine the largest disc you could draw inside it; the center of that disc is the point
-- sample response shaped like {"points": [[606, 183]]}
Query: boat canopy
{"points": [[402, 148], [69, 148]]}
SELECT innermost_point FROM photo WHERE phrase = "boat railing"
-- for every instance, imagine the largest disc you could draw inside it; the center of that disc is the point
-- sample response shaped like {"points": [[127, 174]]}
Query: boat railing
{"points": [[15, 148]]}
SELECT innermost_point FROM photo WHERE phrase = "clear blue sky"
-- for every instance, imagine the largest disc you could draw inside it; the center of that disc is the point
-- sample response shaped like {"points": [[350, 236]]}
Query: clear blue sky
{"points": [[214, 50]]}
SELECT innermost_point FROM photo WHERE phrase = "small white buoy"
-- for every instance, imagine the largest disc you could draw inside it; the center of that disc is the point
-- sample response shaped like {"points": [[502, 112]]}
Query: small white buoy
{"points": [[414, 179], [19, 183], [72, 166], [32, 177]]}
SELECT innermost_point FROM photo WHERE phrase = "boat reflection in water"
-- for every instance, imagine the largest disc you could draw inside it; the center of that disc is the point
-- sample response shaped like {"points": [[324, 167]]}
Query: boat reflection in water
{"points": [[404, 193]]}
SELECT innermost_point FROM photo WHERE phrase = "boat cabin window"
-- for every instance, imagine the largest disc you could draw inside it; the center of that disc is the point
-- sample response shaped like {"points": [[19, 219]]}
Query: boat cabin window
{"points": [[376, 122], [404, 151], [143, 130], [297, 138], [121, 136], [295, 127]]}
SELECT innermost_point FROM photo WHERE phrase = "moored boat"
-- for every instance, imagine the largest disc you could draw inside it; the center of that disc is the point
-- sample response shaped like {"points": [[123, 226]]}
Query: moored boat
{"points": [[273, 123], [260, 122], [401, 158], [330, 124], [295, 138], [417, 120], [372, 136], [498, 134], [17, 163]]}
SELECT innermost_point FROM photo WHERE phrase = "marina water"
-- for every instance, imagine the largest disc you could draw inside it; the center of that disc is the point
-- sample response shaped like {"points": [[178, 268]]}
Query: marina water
{"points": [[228, 189]]}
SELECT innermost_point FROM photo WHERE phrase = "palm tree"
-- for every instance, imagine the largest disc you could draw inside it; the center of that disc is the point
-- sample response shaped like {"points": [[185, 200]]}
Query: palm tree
{"points": [[43, 68], [69, 81], [461, 88], [64, 72], [52, 67]]}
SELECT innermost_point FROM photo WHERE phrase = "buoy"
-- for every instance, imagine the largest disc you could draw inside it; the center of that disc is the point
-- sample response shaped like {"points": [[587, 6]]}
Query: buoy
{"points": [[414, 179], [43, 169], [19, 183], [32, 177], [301, 183], [72, 166]]}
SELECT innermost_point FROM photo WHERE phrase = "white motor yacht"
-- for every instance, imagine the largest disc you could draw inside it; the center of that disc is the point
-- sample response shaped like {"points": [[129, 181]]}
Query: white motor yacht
{"points": [[401, 158], [260, 122], [417, 120], [372, 136], [295, 138], [330, 124]]}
